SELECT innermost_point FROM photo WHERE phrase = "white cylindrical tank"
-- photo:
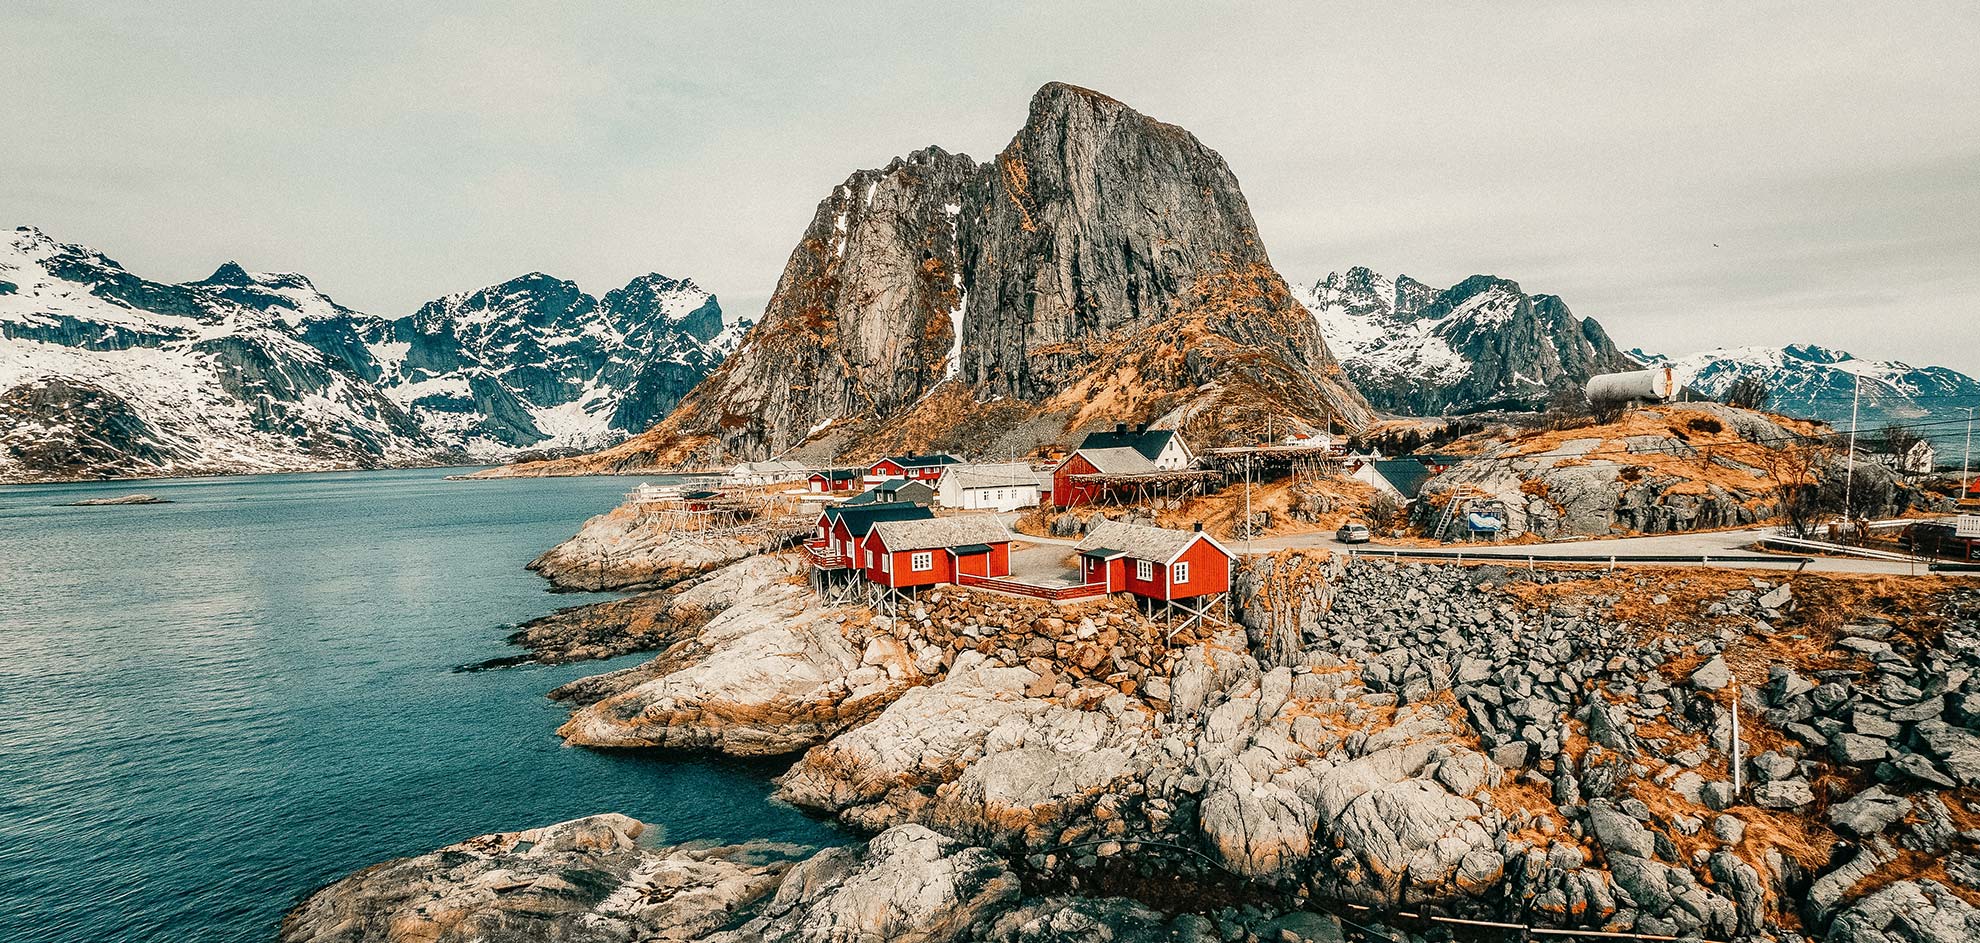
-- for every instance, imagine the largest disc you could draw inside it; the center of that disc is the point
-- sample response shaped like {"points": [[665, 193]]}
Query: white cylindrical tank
{"points": [[1655, 385]]}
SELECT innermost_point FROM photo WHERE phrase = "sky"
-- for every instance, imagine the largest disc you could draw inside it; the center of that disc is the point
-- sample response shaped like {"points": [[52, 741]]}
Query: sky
{"points": [[1691, 175]]}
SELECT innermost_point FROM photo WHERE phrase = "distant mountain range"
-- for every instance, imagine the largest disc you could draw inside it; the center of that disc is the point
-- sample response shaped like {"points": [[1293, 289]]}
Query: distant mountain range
{"points": [[1481, 344], [1821, 383], [104, 373]]}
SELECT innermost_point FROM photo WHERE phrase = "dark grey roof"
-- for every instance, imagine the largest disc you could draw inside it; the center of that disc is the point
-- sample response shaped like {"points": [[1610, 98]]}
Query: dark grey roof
{"points": [[922, 461], [1406, 474], [1149, 442], [840, 474], [1104, 553], [967, 549], [892, 485], [860, 518]]}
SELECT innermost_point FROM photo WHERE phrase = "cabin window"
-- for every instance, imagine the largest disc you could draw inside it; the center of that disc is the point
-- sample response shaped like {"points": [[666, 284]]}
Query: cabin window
{"points": [[921, 561], [869, 558], [1179, 573], [1144, 570]]}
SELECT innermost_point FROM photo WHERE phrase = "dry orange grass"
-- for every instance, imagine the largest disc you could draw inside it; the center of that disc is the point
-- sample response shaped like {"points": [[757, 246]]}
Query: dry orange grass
{"points": [[1222, 510]]}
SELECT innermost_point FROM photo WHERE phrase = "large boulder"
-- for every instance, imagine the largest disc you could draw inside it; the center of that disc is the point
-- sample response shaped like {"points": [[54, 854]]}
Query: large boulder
{"points": [[1908, 912], [774, 675], [909, 885], [588, 880]]}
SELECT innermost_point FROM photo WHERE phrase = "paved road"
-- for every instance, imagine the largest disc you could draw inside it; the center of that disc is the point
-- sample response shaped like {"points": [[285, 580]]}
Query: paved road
{"points": [[1737, 542]]}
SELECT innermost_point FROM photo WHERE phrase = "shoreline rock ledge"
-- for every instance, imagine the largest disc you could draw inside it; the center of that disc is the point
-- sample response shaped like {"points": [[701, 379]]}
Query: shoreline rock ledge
{"points": [[594, 880]]}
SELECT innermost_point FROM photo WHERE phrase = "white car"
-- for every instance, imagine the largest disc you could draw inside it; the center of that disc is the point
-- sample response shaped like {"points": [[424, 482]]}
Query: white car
{"points": [[1352, 533]]}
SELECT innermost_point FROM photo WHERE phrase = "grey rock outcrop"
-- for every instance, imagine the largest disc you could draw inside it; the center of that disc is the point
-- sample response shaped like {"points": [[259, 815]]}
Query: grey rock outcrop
{"points": [[588, 880], [1908, 912], [908, 884]]}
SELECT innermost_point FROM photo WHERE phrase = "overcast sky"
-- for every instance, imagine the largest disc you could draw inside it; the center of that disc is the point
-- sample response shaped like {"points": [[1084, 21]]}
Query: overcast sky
{"points": [[1690, 175]]}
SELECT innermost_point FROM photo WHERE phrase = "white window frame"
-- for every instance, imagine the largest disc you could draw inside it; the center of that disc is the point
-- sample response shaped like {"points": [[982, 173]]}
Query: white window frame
{"points": [[1144, 570], [921, 561], [869, 558], [1179, 572]]}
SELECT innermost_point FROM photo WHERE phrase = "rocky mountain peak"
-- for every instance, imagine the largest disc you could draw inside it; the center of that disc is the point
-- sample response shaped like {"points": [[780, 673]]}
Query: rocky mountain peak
{"points": [[1112, 257], [229, 273], [1104, 267], [654, 299]]}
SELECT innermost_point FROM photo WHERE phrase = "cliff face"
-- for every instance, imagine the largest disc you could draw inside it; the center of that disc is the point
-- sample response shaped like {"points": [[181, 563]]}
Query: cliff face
{"points": [[861, 323], [1113, 261], [1104, 267]]}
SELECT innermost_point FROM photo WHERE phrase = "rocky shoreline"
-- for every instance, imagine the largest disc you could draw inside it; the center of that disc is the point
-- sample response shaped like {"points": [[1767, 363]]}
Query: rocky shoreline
{"points": [[1534, 747], [623, 550]]}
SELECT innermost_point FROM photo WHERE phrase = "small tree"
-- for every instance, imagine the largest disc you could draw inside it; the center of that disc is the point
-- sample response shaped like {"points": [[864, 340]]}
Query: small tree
{"points": [[1383, 509], [1800, 498], [1899, 439], [1749, 393]]}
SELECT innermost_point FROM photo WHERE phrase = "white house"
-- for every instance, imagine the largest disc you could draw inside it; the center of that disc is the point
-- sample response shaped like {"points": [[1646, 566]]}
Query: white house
{"points": [[766, 473], [999, 486], [1919, 459]]}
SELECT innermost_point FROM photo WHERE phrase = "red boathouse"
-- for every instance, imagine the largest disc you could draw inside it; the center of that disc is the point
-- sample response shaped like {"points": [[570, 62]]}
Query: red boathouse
{"points": [[913, 553], [1186, 569]]}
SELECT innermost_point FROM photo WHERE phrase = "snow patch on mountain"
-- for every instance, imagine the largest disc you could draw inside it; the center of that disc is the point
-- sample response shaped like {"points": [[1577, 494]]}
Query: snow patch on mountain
{"points": [[1478, 344], [107, 374], [1824, 383]]}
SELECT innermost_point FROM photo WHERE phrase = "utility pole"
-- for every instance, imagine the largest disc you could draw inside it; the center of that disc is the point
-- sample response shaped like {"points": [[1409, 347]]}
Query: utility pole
{"points": [[1849, 475], [1966, 458], [1247, 503]]}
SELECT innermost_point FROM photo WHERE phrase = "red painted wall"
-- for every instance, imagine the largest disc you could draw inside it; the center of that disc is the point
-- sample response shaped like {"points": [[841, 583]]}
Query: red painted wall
{"points": [[942, 570], [1209, 571], [1111, 572], [884, 469], [995, 563], [822, 483], [1064, 492]]}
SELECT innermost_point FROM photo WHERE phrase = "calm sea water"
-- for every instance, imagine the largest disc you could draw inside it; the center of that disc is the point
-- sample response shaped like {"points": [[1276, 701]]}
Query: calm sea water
{"points": [[211, 707]]}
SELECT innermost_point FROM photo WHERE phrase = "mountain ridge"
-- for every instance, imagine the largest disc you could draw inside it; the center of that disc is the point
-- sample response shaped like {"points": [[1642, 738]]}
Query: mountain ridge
{"points": [[104, 373], [1481, 343]]}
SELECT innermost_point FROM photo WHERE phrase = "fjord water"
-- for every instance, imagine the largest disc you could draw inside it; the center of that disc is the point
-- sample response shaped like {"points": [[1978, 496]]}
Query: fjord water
{"points": [[209, 708]]}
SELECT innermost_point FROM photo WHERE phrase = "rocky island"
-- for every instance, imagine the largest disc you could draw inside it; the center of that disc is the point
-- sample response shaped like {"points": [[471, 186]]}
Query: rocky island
{"points": [[114, 502]]}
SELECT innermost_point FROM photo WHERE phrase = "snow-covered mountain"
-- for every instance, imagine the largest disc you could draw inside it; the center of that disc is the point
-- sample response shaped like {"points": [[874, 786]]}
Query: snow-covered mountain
{"points": [[1820, 382], [1482, 343], [535, 363], [107, 374]]}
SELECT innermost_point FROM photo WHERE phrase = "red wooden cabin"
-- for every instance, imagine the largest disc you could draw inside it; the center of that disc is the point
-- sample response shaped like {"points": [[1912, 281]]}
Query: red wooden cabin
{"points": [[834, 479], [910, 553], [1155, 562], [1120, 452], [835, 542], [916, 467]]}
